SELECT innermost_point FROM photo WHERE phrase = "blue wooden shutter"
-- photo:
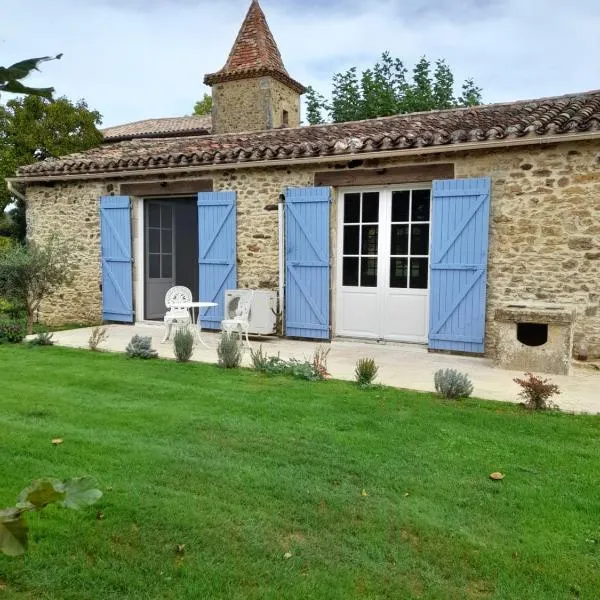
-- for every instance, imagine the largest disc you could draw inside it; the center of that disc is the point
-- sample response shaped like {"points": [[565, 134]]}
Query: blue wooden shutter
{"points": [[216, 255], [117, 271], [307, 262], [459, 249]]}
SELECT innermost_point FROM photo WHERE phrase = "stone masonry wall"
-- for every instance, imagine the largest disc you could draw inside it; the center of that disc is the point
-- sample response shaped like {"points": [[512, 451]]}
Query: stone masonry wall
{"points": [[544, 228], [253, 105]]}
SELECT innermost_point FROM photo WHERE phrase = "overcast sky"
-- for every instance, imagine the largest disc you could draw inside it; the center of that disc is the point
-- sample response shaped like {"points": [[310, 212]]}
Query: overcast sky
{"points": [[138, 59]]}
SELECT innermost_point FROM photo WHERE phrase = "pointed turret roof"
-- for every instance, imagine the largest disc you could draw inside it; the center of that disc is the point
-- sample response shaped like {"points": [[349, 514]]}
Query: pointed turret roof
{"points": [[254, 54]]}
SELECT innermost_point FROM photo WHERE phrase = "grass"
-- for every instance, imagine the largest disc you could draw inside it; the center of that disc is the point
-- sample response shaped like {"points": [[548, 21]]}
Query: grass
{"points": [[242, 468]]}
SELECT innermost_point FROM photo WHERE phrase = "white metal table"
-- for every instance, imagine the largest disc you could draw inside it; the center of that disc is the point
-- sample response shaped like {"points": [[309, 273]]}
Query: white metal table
{"points": [[196, 320]]}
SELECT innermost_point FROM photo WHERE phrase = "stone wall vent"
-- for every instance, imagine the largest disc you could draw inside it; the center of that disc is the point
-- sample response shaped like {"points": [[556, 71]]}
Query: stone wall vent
{"points": [[532, 334]]}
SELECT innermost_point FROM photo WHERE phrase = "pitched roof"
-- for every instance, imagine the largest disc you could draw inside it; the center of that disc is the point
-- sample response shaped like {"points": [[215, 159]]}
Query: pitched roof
{"points": [[443, 129], [169, 127], [254, 54]]}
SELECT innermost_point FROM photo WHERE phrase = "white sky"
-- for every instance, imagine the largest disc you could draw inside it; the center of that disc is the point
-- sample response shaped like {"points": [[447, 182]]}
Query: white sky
{"points": [[137, 59]]}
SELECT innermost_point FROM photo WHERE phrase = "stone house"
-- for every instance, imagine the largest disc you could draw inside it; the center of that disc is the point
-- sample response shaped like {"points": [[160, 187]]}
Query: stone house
{"points": [[413, 228]]}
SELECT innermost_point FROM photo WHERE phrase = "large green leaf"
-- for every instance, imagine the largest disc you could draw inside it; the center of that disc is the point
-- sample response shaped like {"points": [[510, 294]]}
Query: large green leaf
{"points": [[41, 493], [16, 87], [13, 532], [23, 68], [80, 492]]}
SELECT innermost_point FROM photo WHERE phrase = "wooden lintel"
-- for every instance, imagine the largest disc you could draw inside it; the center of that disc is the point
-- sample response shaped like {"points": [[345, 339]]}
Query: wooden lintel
{"points": [[167, 188], [384, 176]]}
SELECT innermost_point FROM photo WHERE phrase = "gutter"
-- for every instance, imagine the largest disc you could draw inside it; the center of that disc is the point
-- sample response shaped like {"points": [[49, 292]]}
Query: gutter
{"points": [[442, 149]]}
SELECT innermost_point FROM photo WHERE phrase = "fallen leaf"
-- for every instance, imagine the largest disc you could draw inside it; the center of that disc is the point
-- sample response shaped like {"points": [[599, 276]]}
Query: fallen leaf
{"points": [[180, 548], [406, 494], [288, 555], [57, 441], [100, 515], [364, 493], [497, 476]]}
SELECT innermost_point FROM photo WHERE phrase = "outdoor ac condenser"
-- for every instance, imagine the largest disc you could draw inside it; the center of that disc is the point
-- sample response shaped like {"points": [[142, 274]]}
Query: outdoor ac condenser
{"points": [[263, 314]]}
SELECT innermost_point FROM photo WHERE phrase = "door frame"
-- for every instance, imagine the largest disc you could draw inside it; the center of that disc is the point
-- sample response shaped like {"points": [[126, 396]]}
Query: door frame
{"points": [[339, 250]]}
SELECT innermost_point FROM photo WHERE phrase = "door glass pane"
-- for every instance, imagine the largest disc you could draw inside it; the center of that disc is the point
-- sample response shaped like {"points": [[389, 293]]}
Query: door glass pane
{"points": [[153, 240], [419, 273], [368, 272], [167, 266], [370, 211], [400, 206], [420, 205], [419, 239], [154, 215], [351, 239], [398, 272], [352, 208], [399, 239], [369, 239], [350, 272], [167, 216], [167, 241], [154, 266]]}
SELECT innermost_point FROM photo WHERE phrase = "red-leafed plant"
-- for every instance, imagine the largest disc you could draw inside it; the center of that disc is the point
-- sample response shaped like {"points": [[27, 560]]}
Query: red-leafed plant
{"points": [[536, 392]]}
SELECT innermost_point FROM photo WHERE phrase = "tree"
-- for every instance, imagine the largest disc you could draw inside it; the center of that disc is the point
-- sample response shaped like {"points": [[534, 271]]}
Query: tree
{"points": [[204, 106], [30, 273], [385, 90], [33, 128], [11, 77]]}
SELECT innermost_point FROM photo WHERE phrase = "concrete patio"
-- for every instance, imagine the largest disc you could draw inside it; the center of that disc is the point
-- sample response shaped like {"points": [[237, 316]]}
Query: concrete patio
{"points": [[400, 365]]}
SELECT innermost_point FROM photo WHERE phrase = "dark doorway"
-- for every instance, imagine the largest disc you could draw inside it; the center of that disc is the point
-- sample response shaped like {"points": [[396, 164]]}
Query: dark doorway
{"points": [[171, 250]]}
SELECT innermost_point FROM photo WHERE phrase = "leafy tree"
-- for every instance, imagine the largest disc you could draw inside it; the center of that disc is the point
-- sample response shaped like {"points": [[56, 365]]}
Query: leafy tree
{"points": [[33, 128], [204, 106], [30, 273], [386, 89], [11, 77]]}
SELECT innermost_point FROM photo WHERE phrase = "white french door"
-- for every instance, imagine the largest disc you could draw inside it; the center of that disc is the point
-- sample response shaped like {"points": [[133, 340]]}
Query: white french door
{"points": [[383, 263]]}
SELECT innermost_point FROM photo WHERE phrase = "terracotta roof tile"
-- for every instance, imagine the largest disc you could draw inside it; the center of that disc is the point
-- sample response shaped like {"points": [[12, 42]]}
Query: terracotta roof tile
{"points": [[254, 53], [176, 126], [535, 119]]}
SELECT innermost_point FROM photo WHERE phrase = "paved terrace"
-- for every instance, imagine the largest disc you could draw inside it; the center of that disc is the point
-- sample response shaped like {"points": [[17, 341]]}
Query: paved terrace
{"points": [[400, 365]]}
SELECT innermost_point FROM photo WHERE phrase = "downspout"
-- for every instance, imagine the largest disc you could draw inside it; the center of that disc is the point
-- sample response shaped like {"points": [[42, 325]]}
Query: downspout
{"points": [[281, 238]]}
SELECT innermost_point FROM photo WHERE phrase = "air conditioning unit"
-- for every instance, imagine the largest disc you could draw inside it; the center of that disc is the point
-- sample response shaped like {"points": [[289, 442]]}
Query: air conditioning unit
{"points": [[263, 314]]}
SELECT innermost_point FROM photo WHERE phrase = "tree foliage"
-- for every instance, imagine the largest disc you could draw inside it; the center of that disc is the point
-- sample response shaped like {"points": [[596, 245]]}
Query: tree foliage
{"points": [[33, 128], [204, 106], [11, 78], [30, 273], [386, 89]]}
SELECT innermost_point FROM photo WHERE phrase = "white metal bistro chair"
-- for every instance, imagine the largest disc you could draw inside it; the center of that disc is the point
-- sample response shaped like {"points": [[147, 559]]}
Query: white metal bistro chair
{"points": [[241, 319], [176, 314]]}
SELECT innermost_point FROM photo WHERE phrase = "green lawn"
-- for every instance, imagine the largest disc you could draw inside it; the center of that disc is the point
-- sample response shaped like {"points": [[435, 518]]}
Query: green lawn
{"points": [[243, 468]]}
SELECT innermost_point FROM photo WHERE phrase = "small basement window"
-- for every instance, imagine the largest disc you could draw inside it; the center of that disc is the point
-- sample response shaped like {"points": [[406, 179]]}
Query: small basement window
{"points": [[532, 334], [285, 119]]}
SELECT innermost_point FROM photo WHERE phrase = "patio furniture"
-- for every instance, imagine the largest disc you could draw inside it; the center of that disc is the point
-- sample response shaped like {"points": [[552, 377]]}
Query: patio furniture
{"points": [[177, 314], [197, 323], [241, 319]]}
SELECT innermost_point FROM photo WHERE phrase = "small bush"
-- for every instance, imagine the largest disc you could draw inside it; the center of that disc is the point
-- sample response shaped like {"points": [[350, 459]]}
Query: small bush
{"points": [[229, 350], [12, 331], [301, 369], [183, 345], [44, 338], [319, 363], [452, 385], [536, 392], [97, 337], [141, 347], [260, 359], [366, 370]]}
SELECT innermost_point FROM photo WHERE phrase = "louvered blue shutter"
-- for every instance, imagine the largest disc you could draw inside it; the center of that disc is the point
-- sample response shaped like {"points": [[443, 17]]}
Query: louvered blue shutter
{"points": [[117, 271], [459, 250], [217, 252], [307, 262]]}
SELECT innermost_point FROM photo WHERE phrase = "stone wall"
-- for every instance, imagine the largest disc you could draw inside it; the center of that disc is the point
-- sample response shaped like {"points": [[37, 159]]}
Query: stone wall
{"points": [[253, 105], [544, 236]]}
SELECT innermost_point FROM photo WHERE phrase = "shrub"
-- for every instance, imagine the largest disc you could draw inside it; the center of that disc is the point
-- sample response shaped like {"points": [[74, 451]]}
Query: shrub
{"points": [[44, 338], [183, 345], [366, 371], [12, 331], [97, 337], [229, 350], [319, 362], [260, 359], [141, 347], [452, 385], [302, 369], [536, 392]]}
